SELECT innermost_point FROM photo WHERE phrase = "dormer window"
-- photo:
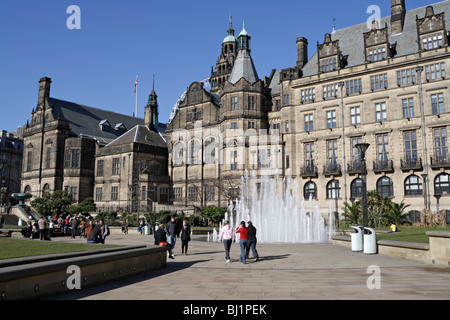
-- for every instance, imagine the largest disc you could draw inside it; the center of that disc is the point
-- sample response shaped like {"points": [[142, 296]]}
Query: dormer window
{"points": [[329, 55], [120, 127], [104, 125], [376, 43], [431, 30], [433, 41], [329, 64], [377, 54]]}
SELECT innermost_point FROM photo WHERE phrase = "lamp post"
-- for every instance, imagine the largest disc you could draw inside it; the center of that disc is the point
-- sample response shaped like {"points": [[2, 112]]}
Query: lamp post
{"points": [[438, 197], [362, 147], [419, 70], [341, 85]]}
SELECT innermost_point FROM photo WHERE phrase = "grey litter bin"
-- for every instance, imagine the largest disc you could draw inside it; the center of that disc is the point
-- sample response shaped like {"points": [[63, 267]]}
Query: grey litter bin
{"points": [[147, 230], [370, 241], [357, 239]]}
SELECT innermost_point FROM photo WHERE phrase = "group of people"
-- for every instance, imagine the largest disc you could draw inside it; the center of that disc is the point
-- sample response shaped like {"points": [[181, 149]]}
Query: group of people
{"points": [[247, 240], [97, 233], [43, 229], [167, 235], [36, 230]]}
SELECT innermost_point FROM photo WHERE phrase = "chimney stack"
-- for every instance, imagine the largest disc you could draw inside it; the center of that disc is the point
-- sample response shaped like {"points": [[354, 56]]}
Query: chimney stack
{"points": [[44, 90], [398, 13], [302, 52]]}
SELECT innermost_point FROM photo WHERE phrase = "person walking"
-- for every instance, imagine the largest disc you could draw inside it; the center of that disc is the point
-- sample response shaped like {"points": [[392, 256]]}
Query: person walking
{"points": [[251, 236], [172, 234], [125, 226], [227, 236], [243, 240], [185, 237]]}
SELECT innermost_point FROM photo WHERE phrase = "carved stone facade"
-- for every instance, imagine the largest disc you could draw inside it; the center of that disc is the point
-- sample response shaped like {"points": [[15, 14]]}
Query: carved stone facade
{"points": [[65, 142], [362, 85]]}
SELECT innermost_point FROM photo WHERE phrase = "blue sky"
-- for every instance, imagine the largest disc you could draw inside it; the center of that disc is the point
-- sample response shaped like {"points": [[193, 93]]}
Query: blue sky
{"points": [[176, 40]]}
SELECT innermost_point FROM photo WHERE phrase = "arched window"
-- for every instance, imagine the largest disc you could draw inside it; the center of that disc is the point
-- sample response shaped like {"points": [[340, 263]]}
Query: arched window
{"points": [[194, 152], [46, 189], [413, 186], [310, 191], [333, 190], [210, 150], [356, 188], [385, 187], [178, 154], [27, 189], [442, 184]]}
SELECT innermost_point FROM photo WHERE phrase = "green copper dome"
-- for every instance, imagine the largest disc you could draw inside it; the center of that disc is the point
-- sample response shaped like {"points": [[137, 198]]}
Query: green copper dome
{"points": [[244, 32], [230, 37]]}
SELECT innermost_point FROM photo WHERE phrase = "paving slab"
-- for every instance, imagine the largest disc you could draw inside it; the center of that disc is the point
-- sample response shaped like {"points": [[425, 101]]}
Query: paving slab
{"points": [[284, 272]]}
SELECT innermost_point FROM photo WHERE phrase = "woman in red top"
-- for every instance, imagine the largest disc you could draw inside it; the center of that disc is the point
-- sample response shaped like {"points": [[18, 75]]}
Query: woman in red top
{"points": [[242, 230]]}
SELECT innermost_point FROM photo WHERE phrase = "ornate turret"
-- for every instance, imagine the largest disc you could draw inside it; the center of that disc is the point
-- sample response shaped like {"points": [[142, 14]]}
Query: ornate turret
{"points": [[151, 110], [226, 60], [244, 67]]}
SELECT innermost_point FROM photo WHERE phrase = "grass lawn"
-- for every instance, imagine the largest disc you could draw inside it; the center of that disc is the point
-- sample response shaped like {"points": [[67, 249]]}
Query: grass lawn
{"points": [[409, 234], [16, 248]]}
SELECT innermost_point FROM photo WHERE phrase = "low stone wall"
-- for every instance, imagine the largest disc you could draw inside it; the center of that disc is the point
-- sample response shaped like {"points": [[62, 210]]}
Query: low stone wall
{"points": [[436, 252], [55, 275]]}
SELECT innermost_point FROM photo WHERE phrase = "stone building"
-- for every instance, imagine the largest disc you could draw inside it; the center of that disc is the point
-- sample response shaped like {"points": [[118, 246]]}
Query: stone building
{"points": [[131, 171], [11, 151], [63, 138], [207, 146], [383, 83]]}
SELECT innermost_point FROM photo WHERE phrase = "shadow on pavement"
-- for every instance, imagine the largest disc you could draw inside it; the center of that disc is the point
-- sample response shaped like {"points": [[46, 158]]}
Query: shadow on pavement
{"points": [[284, 256], [172, 266]]}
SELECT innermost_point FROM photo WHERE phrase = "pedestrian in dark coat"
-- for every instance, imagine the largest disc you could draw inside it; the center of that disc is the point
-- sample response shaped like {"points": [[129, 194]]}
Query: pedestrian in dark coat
{"points": [[251, 241], [185, 237], [161, 239]]}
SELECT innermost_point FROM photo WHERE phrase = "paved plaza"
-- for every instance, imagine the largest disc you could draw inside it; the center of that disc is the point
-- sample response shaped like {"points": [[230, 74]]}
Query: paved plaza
{"points": [[284, 272]]}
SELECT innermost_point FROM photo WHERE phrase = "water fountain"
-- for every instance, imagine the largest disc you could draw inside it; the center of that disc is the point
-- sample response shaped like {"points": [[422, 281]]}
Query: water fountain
{"points": [[279, 216]]}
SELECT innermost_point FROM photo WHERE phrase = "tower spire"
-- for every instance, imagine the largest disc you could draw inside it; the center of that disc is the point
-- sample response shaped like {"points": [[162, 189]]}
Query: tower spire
{"points": [[244, 39], [151, 110]]}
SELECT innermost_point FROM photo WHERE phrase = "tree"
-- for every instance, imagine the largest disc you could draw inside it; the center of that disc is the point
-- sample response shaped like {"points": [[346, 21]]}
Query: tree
{"points": [[85, 207], [396, 213], [53, 203], [352, 212], [215, 214]]}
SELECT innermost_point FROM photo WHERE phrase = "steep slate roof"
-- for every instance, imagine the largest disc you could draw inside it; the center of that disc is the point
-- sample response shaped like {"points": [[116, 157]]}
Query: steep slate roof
{"points": [[351, 40], [140, 134], [85, 121], [243, 68]]}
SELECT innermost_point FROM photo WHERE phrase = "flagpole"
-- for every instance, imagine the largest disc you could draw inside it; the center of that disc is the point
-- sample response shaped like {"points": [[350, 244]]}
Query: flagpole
{"points": [[135, 113]]}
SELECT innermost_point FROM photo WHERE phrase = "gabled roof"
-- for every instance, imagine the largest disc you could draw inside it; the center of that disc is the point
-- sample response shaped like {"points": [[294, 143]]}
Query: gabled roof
{"points": [[140, 134], [92, 122], [351, 39]]}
